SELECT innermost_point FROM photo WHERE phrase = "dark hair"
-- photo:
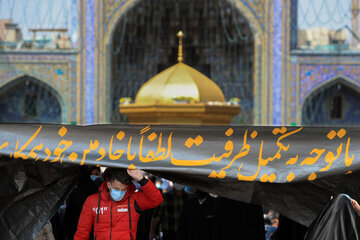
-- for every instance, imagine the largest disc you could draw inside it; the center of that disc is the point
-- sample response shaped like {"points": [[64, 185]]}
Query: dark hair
{"points": [[95, 168], [119, 174], [267, 221]]}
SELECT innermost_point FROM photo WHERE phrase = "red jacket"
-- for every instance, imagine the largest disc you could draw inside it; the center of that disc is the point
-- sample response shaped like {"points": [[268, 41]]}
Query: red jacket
{"points": [[114, 219]]}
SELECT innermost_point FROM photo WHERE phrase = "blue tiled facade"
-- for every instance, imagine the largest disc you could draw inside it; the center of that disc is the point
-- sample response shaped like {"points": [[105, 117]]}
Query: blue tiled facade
{"points": [[284, 77]]}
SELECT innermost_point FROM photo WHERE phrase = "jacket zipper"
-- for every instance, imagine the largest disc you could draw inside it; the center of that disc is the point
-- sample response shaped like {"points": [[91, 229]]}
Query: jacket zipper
{"points": [[111, 218]]}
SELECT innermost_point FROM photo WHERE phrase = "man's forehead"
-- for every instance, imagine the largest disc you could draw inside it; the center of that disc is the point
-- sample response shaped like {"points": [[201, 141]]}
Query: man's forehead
{"points": [[117, 184]]}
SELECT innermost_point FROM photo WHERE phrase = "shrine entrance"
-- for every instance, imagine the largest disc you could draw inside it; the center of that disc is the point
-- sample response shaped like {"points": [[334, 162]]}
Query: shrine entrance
{"points": [[218, 42]]}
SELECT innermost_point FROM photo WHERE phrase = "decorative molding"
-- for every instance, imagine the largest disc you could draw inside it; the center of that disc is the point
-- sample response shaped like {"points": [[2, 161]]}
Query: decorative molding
{"points": [[110, 7], [258, 9]]}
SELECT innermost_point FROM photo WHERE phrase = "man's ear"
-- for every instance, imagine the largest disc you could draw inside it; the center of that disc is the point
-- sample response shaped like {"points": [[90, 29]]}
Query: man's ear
{"points": [[108, 185]]}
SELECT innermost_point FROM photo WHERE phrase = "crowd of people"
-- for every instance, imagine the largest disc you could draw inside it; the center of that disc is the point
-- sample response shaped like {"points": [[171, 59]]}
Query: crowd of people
{"points": [[153, 208]]}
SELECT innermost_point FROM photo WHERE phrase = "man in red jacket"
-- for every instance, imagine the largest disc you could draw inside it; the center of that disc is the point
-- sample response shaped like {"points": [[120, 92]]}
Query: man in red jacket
{"points": [[114, 211]]}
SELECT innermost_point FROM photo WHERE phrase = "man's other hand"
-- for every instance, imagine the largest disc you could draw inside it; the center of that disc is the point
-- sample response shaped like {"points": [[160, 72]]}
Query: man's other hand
{"points": [[356, 206], [135, 174]]}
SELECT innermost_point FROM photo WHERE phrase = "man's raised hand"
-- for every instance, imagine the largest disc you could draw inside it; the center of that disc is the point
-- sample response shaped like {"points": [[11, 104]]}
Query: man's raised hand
{"points": [[135, 174]]}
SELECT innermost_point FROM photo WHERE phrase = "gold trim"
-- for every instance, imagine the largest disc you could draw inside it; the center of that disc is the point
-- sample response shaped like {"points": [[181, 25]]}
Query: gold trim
{"points": [[255, 91], [78, 89], [298, 111], [197, 113], [70, 96], [36, 62], [328, 63], [286, 64], [264, 69], [289, 80], [180, 51]]}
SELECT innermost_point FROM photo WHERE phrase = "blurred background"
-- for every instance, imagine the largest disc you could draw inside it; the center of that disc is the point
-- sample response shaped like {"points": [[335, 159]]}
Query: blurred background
{"points": [[282, 62]]}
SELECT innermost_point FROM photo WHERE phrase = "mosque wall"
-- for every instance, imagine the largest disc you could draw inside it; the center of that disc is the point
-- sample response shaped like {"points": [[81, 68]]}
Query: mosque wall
{"points": [[266, 19], [311, 72], [279, 89], [56, 70], [283, 77]]}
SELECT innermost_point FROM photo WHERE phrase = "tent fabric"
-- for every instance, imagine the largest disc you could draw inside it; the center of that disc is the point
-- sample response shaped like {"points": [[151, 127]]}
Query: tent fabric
{"points": [[337, 221], [30, 194]]}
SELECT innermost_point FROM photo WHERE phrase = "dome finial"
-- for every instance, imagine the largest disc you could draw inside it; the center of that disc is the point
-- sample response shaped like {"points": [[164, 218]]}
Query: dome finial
{"points": [[180, 53]]}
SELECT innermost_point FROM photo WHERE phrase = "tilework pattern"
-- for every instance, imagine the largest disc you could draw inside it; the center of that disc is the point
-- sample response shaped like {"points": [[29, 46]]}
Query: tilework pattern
{"points": [[74, 25], [110, 8], [293, 99], [311, 76], [90, 62], [317, 70], [277, 60], [56, 70], [59, 69], [257, 7]]}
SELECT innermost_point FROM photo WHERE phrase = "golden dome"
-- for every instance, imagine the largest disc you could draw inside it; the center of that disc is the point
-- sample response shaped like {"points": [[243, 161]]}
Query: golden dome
{"points": [[154, 102], [179, 81]]}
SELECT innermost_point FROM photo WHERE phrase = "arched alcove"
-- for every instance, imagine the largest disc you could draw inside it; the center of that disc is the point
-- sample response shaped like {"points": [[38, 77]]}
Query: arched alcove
{"points": [[27, 99], [335, 103], [218, 41]]}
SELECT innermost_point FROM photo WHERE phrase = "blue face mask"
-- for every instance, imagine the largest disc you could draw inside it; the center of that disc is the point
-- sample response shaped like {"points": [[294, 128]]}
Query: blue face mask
{"points": [[94, 177], [117, 195]]}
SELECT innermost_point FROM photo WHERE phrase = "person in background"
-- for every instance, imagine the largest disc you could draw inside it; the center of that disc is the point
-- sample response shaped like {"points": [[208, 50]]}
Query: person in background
{"points": [[269, 228], [165, 186], [144, 222], [96, 176], [114, 211], [74, 203], [96, 171], [168, 213], [197, 220]]}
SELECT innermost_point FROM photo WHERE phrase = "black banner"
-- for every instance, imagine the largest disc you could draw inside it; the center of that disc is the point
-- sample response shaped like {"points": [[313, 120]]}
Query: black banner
{"points": [[293, 170]]}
